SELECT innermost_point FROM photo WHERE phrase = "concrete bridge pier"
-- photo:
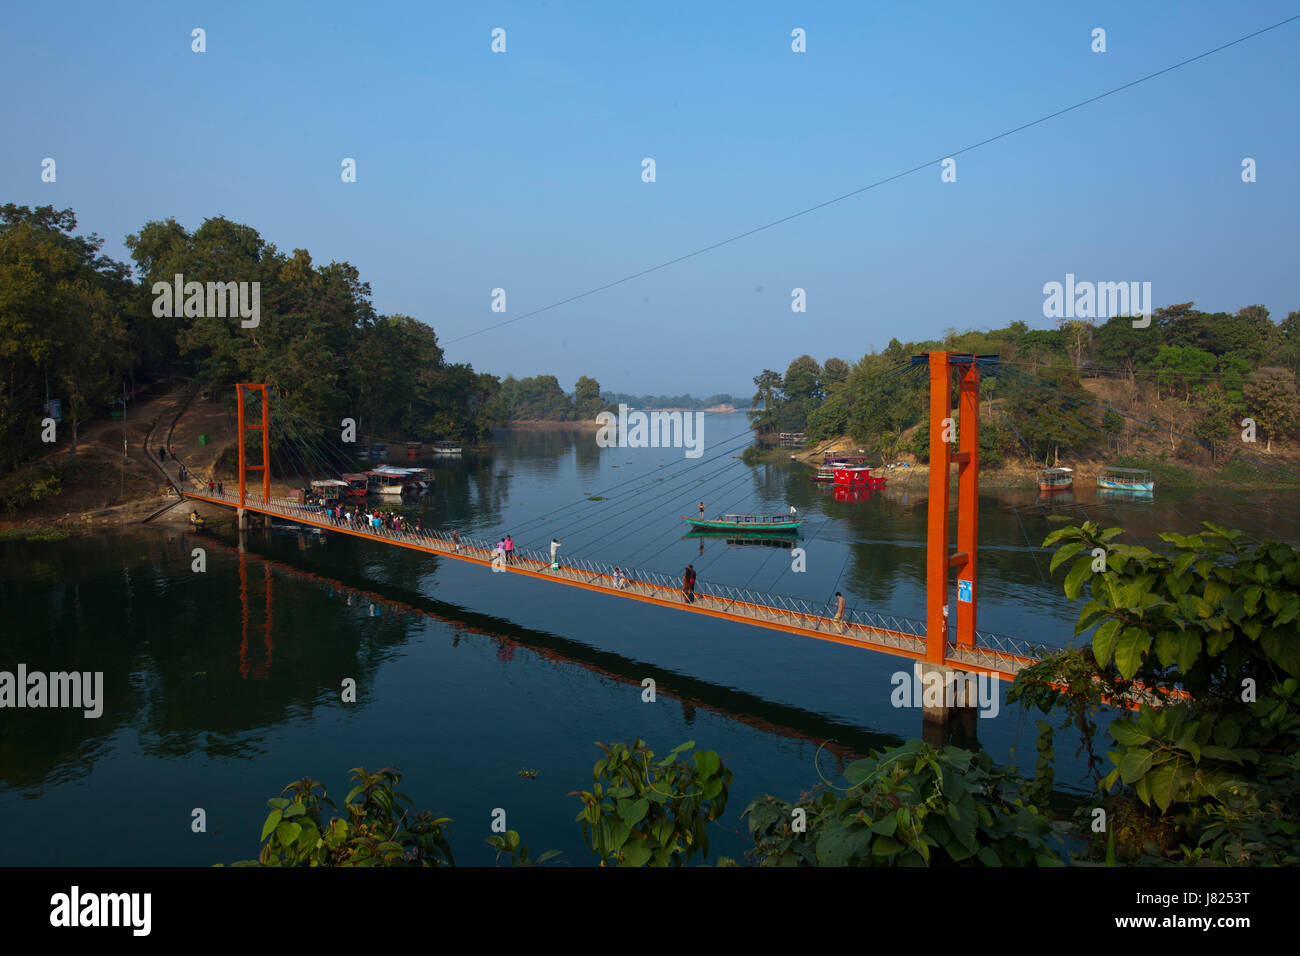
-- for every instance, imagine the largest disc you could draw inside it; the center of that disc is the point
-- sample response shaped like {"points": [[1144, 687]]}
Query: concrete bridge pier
{"points": [[950, 706], [247, 520]]}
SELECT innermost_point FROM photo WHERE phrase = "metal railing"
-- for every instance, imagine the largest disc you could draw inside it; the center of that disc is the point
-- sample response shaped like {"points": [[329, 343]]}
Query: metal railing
{"points": [[889, 630], [993, 651]]}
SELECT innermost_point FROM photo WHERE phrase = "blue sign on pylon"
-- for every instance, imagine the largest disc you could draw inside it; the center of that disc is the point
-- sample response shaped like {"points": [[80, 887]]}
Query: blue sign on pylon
{"points": [[965, 591]]}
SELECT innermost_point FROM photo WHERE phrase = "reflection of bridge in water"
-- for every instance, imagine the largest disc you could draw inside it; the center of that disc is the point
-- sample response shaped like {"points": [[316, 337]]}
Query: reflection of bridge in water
{"points": [[843, 740]]}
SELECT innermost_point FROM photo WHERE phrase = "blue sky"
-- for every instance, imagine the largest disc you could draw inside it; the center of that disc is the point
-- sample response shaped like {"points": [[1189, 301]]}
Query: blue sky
{"points": [[522, 170]]}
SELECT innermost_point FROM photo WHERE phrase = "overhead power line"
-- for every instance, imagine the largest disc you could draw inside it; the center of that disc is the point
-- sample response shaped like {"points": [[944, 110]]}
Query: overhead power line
{"points": [[862, 189]]}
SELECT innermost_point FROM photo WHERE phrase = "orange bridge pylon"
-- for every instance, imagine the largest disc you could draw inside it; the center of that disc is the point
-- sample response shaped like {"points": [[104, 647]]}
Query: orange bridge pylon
{"points": [[940, 559]]}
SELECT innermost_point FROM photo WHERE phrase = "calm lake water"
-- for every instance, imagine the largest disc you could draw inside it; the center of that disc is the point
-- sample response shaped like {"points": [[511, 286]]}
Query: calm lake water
{"points": [[222, 687]]}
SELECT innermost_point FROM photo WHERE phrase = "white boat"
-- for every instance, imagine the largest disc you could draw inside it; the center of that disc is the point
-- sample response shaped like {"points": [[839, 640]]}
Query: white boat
{"points": [[388, 480], [1126, 479], [446, 448]]}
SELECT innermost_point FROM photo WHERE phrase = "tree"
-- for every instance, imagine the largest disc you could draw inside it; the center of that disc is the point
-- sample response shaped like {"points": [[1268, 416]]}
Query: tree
{"points": [[1272, 399], [767, 401], [1182, 366], [1212, 422], [1112, 423], [536, 399], [1288, 337], [587, 402], [1078, 335], [1115, 343], [834, 372], [64, 319], [1180, 325]]}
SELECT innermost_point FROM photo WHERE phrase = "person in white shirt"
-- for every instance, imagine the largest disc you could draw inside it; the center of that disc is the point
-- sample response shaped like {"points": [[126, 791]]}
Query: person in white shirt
{"points": [[555, 547]]}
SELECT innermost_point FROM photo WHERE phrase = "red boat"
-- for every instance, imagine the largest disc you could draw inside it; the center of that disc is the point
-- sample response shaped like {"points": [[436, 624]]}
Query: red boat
{"points": [[857, 476], [356, 485]]}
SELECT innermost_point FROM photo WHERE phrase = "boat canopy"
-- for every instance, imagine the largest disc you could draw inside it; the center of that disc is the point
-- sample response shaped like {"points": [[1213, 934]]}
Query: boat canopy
{"points": [[355, 476], [389, 471], [1127, 471], [330, 483], [1057, 471]]}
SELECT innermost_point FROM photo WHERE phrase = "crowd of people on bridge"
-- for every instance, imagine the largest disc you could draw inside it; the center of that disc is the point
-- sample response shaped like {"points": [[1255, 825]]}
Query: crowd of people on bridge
{"points": [[354, 516]]}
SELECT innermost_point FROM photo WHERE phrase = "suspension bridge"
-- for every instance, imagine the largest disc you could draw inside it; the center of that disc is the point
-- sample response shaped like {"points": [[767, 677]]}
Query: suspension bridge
{"points": [[950, 644], [955, 645]]}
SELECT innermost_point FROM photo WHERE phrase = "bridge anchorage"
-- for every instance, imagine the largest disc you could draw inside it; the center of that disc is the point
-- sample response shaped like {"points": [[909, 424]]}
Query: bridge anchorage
{"points": [[946, 649]]}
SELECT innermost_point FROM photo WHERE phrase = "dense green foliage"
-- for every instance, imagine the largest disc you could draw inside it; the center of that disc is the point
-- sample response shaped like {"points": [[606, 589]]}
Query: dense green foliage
{"points": [[85, 326], [1206, 640], [69, 319], [318, 341], [912, 805], [614, 399], [376, 829], [1217, 368], [542, 399], [640, 812]]}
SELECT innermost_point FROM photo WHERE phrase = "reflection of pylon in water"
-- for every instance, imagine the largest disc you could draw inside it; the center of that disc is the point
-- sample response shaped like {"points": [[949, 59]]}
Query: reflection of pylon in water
{"points": [[245, 663]]}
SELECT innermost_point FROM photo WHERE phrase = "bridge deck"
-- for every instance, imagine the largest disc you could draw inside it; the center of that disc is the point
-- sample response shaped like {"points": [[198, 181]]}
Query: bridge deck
{"points": [[898, 636]]}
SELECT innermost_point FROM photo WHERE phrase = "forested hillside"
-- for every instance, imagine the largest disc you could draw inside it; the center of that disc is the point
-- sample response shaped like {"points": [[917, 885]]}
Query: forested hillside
{"points": [[1185, 383], [82, 328]]}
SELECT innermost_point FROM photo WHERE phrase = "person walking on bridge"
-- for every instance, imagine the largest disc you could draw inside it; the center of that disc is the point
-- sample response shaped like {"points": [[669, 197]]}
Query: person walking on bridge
{"points": [[555, 551], [510, 549], [839, 610], [688, 583]]}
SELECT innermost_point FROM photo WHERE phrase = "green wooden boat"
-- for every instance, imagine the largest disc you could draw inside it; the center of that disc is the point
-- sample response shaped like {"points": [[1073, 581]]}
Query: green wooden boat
{"points": [[747, 524]]}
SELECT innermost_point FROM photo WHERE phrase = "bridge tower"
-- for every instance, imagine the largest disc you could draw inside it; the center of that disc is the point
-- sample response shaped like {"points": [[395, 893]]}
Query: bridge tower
{"points": [[244, 466], [940, 559]]}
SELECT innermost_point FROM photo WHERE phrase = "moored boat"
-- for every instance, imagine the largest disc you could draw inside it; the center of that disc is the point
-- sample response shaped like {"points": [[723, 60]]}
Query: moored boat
{"points": [[1126, 479], [1055, 479], [446, 448], [391, 481], [331, 489], [857, 475], [824, 473]]}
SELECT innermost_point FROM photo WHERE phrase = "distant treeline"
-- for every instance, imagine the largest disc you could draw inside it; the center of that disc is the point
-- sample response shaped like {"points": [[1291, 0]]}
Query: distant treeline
{"points": [[614, 399], [1215, 369], [541, 399]]}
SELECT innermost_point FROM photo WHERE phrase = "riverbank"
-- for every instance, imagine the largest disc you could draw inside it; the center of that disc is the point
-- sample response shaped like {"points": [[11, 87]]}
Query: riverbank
{"points": [[537, 425], [1238, 474]]}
